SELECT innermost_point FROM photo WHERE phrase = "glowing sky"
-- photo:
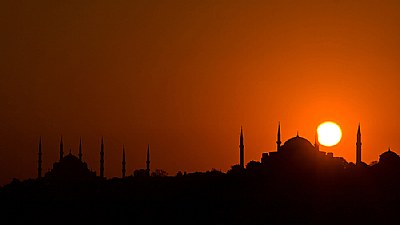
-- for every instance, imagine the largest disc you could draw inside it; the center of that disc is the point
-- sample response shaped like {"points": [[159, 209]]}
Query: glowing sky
{"points": [[183, 76]]}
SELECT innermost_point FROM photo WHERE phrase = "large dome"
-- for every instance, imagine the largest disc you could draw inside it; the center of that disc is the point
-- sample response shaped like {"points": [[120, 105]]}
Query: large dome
{"points": [[297, 145], [70, 168]]}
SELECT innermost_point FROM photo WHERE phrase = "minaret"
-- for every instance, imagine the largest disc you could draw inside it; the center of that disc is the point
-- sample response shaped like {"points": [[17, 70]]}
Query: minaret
{"points": [[102, 158], [40, 158], [148, 161], [80, 149], [61, 149], [123, 161], [316, 144], [358, 146], [278, 142], [241, 149]]}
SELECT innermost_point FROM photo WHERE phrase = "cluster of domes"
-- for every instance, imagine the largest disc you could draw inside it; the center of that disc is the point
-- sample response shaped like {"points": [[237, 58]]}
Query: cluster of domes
{"points": [[70, 168]]}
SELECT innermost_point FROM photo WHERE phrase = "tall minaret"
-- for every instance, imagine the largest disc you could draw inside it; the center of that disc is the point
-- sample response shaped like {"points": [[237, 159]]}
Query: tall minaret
{"points": [[278, 142], [241, 149], [102, 158], [316, 144], [40, 158], [123, 161], [61, 149], [358, 146], [80, 149], [148, 161]]}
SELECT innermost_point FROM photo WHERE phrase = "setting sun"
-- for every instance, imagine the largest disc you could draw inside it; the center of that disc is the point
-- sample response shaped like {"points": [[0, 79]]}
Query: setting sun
{"points": [[329, 133]]}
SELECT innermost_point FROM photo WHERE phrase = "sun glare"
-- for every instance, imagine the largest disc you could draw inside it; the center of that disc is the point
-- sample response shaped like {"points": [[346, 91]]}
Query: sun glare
{"points": [[329, 133]]}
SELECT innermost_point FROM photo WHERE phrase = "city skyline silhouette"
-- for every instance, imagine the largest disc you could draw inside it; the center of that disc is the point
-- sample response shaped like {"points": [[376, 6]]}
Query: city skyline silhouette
{"points": [[149, 112], [297, 143], [296, 183]]}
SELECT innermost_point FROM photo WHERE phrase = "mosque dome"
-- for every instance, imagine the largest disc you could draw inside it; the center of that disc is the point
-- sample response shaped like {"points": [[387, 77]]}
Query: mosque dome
{"points": [[70, 168], [70, 158], [297, 145], [389, 157]]}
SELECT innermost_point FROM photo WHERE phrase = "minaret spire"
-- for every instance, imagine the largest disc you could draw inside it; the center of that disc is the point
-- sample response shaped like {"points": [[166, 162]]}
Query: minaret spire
{"points": [[316, 144], [80, 149], [61, 149], [40, 158], [148, 161], [358, 146], [123, 161], [278, 141], [102, 158], [241, 149]]}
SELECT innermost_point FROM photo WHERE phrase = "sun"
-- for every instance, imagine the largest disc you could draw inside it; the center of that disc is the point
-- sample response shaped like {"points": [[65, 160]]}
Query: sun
{"points": [[329, 133]]}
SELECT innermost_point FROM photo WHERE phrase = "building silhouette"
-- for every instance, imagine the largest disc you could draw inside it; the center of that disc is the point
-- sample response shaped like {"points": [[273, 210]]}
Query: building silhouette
{"points": [[297, 153], [69, 167]]}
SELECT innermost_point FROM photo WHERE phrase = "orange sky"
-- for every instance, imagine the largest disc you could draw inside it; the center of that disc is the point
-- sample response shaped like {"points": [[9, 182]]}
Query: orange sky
{"points": [[183, 76]]}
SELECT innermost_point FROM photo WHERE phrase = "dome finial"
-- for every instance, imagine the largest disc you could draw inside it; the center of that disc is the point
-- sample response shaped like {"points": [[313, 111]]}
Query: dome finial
{"points": [[297, 134]]}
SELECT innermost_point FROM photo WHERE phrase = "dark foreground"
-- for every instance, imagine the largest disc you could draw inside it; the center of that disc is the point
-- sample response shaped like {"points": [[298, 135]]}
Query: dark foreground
{"points": [[207, 198]]}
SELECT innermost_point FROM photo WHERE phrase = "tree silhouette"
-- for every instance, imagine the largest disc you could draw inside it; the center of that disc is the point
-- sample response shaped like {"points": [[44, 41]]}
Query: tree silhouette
{"points": [[159, 173]]}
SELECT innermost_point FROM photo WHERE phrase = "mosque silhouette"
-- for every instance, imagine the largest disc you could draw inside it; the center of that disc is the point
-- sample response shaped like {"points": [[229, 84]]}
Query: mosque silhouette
{"points": [[72, 168]]}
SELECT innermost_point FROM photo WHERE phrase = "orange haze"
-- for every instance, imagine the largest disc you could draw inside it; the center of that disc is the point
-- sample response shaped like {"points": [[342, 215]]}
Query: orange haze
{"points": [[183, 76]]}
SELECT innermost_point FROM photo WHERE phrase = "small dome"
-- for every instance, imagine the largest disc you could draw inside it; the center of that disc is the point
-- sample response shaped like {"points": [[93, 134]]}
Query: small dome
{"points": [[70, 158], [388, 157]]}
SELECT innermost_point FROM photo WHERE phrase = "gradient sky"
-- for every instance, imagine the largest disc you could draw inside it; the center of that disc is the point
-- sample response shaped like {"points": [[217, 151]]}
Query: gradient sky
{"points": [[183, 76]]}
